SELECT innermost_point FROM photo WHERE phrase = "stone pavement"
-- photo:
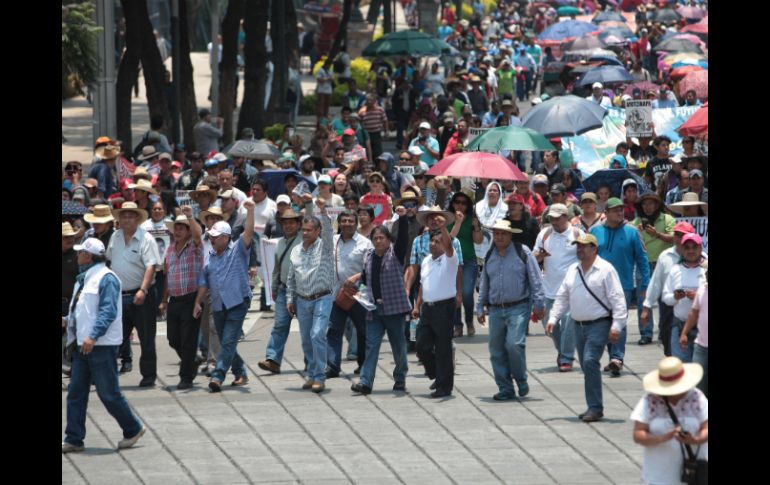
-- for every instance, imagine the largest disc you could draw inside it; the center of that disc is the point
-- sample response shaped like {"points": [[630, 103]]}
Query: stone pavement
{"points": [[271, 431]]}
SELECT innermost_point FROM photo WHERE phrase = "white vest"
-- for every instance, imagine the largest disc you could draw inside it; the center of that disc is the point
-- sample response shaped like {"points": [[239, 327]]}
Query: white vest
{"points": [[87, 310]]}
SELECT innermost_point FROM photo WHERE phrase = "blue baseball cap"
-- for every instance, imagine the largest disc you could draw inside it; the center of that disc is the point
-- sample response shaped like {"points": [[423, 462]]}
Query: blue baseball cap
{"points": [[211, 163]]}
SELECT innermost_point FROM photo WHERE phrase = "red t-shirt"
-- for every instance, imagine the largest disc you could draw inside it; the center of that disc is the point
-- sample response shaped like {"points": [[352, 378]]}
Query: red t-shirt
{"points": [[382, 206]]}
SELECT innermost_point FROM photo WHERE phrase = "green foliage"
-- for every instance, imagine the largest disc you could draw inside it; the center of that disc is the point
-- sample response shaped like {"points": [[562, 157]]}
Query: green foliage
{"points": [[338, 94], [359, 70], [78, 44], [309, 103], [274, 132]]}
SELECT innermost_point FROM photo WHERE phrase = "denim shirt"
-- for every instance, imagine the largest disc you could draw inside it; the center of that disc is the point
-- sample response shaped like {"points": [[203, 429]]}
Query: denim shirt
{"points": [[227, 275]]}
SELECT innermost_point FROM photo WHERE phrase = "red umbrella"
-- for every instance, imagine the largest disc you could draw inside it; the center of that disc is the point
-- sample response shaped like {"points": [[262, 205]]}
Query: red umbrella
{"points": [[630, 5], [645, 86], [698, 124], [478, 164], [697, 81], [681, 72], [698, 28]]}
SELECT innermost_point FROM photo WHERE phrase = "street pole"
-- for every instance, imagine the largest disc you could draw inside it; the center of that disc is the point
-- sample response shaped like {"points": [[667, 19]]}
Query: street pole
{"points": [[214, 57], [104, 113], [176, 49]]}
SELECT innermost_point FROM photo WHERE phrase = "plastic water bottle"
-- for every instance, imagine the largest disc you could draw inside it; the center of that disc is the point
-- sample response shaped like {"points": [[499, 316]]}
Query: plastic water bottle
{"points": [[413, 330]]}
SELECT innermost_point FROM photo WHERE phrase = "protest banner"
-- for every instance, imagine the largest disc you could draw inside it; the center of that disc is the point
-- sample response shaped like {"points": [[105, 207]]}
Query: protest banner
{"points": [[701, 225]]}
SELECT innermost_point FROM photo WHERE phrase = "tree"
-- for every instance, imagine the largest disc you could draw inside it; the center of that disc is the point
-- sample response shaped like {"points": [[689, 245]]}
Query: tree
{"points": [[255, 60], [188, 107], [228, 64], [285, 54], [341, 34], [78, 45], [128, 71]]}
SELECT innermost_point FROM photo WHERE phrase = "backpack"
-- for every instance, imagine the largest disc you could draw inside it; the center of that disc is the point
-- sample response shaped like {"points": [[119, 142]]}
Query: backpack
{"points": [[519, 250], [339, 65], [549, 231]]}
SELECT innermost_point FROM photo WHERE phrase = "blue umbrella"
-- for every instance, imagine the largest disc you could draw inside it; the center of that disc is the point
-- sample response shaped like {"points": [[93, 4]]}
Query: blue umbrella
{"points": [[564, 116], [608, 16], [703, 64], [606, 75], [623, 32], [614, 179], [70, 208], [274, 179], [606, 59], [567, 29]]}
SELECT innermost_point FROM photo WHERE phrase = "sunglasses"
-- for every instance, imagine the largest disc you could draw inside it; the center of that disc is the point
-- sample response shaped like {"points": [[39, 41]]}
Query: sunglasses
{"points": [[409, 205], [405, 159]]}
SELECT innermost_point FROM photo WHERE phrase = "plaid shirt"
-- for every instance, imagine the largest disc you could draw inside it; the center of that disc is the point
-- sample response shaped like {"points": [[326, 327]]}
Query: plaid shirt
{"points": [[183, 268], [421, 248], [394, 296]]}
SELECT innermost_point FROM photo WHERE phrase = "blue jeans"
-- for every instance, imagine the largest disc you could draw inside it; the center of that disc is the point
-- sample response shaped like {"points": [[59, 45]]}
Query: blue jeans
{"points": [[375, 328], [507, 345], [470, 271], [563, 335], [528, 80], [591, 340], [521, 91], [701, 356], [281, 325], [99, 367], [229, 325], [313, 318], [618, 350], [676, 349], [352, 337], [337, 320]]}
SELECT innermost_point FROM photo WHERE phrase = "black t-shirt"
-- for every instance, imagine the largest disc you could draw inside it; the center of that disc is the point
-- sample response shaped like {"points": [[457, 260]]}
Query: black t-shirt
{"points": [[531, 229], [657, 168], [376, 287], [556, 177]]}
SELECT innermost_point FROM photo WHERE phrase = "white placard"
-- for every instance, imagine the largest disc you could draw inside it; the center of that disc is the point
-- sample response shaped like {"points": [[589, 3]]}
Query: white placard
{"points": [[639, 117]]}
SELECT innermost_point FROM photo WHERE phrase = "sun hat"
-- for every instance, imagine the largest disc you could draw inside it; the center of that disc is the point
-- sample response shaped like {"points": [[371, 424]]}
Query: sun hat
{"points": [[408, 195], [503, 225], [213, 211], [179, 220], [586, 239], [66, 229], [144, 185], [101, 215], [422, 215], [203, 189], [672, 377], [689, 199], [130, 207]]}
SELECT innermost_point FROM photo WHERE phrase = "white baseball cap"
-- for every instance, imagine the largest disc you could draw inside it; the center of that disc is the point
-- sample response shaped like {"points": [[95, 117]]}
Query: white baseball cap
{"points": [[283, 198], [558, 210], [325, 179], [91, 245], [219, 228], [415, 150], [598, 85], [425, 125], [220, 157]]}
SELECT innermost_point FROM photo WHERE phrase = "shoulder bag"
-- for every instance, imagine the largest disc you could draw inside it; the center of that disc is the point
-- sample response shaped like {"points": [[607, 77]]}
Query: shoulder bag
{"points": [[694, 471]]}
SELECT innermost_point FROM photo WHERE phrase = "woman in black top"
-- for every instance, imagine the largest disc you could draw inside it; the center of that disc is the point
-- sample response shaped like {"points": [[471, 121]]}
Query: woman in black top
{"points": [[520, 218]]}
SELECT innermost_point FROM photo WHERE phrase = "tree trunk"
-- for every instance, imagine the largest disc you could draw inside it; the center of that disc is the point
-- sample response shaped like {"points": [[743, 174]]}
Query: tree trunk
{"points": [[387, 24], [188, 107], [285, 54], [458, 11], [152, 65], [127, 75], [255, 58], [341, 33], [228, 65]]}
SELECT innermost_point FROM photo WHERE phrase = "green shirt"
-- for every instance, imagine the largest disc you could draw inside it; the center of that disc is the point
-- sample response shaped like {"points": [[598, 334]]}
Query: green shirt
{"points": [[465, 236], [505, 82], [664, 224]]}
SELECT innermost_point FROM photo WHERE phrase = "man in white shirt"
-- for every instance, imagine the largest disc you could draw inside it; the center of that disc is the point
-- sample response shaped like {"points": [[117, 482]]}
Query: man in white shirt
{"points": [[435, 306], [592, 292], [554, 248], [598, 96], [265, 208], [226, 180]]}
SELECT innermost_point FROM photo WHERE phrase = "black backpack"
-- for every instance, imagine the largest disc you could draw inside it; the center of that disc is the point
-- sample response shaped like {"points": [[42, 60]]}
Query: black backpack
{"points": [[339, 65]]}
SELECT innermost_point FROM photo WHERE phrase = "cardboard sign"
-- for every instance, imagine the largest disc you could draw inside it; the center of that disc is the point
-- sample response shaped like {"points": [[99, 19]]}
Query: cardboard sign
{"points": [[639, 117], [474, 132]]}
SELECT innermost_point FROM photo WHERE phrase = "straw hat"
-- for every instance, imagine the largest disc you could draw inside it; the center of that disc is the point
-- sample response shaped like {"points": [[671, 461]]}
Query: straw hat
{"points": [[289, 214], [410, 195], [107, 152], [66, 229], [672, 377], [213, 211], [203, 189], [148, 153], [689, 199], [144, 185], [130, 207], [101, 215], [141, 172], [179, 220], [423, 215], [503, 225]]}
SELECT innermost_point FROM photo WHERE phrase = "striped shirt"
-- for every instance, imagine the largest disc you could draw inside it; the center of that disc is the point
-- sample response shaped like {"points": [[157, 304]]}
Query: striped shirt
{"points": [[312, 269], [373, 119], [182, 269]]}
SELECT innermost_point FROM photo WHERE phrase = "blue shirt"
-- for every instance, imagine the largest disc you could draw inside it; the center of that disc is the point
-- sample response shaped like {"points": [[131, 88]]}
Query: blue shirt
{"points": [[103, 174], [109, 292], [622, 248], [427, 157], [505, 279], [227, 276], [444, 31], [490, 119]]}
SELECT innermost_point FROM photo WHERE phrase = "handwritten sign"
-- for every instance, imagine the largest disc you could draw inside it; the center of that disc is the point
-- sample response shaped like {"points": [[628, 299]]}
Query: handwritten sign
{"points": [[639, 117]]}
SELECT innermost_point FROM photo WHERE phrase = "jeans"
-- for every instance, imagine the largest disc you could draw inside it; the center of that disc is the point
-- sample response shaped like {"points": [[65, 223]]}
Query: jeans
{"points": [[351, 335], [528, 81], [143, 318], [676, 349], [97, 367], [563, 335], [591, 340], [701, 356], [520, 89], [375, 328], [507, 345], [665, 321], [281, 325], [208, 341], [618, 351], [337, 320], [183, 332], [313, 318], [470, 272], [434, 342], [229, 324]]}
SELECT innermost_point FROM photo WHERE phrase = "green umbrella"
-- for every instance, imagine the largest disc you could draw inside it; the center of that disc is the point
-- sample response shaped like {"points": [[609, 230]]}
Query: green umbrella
{"points": [[407, 42], [567, 10], [510, 138]]}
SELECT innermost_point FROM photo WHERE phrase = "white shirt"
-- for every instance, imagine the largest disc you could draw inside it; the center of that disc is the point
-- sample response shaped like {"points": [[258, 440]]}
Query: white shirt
{"points": [[684, 278], [563, 254], [604, 102], [667, 260], [439, 277], [572, 296], [349, 256], [130, 262], [264, 212]]}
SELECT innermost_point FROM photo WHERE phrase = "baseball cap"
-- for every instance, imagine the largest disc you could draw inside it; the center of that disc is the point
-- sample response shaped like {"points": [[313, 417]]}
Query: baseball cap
{"points": [[514, 199], [692, 237], [165, 156], [558, 210], [628, 182], [349, 132], [283, 198], [588, 196], [506, 102], [211, 163], [425, 125], [91, 245], [614, 202], [539, 179], [597, 85], [555, 140], [325, 179], [415, 151], [684, 227], [220, 157], [219, 228], [696, 173], [559, 188], [176, 164], [586, 239]]}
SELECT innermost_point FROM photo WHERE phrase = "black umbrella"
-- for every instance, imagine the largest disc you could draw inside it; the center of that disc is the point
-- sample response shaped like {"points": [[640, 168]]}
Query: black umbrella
{"points": [[614, 179], [274, 179], [675, 44], [608, 16], [666, 16], [70, 208], [606, 75]]}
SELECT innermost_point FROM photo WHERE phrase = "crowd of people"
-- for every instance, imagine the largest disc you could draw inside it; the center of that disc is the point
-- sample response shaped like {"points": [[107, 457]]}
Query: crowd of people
{"points": [[410, 249]]}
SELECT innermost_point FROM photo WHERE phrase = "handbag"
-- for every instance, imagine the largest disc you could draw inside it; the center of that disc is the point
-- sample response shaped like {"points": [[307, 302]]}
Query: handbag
{"points": [[694, 470], [344, 298]]}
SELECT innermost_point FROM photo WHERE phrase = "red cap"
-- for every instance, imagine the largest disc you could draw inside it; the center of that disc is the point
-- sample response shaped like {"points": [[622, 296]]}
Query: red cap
{"points": [[692, 237], [555, 140], [176, 164], [211, 154], [349, 132], [684, 227], [514, 199]]}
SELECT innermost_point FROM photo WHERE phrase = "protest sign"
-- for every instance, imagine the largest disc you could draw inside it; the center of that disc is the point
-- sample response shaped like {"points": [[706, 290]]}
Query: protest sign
{"points": [[639, 117], [701, 225]]}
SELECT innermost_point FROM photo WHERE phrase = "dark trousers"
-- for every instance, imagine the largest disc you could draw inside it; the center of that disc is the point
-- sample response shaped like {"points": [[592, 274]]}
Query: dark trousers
{"points": [[375, 137], [183, 333], [337, 320], [142, 318], [434, 342], [665, 320]]}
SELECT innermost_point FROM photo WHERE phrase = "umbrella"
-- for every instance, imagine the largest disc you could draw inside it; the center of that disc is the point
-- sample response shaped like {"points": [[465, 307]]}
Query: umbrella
{"points": [[584, 43], [676, 44], [70, 208], [622, 32], [406, 42], [691, 12], [591, 53], [607, 60], [698, 81], [666, 16], [645, 86], [691, 37], [698, 124], [630, 5], [478, 164], [686, 57], [274, 179], [614, 39], [567, 29], [254, 150], [691, 63], [614, 177], [566, 11], [564, 116], [510, 138], [606, 75], [608, 16], [699, 28], [681, 72]]}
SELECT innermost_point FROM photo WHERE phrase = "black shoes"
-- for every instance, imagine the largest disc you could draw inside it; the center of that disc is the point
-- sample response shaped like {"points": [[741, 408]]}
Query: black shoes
{"points": [[501, 396], [433, 386], [644, 341], [399, 386], [184, 385], [440, 393], [215, 385], [147, 382], [331, 374], [361, 389], [523, 389], [615, 366], [591, 416], [358, 370], [126, 367]]}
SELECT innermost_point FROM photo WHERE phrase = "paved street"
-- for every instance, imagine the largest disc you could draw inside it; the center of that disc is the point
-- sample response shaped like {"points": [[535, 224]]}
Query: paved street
{"points": [[271, 431]]}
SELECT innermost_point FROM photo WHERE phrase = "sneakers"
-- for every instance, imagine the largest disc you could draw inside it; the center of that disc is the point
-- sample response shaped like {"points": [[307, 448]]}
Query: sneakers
{"points": [[644, 341], [240, 381], [361, 389], [318, 387], [129, 442], [308, 384], [184, 385], [270, 366], [503, 396], [615, 366], [567, 367], [70, 448], [126, 367], [471, 330], [523, 389]]}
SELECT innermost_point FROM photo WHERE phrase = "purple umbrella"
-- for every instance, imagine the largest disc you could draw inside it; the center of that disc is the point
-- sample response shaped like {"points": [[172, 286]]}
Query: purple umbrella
{"points": [[567, 29]]}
